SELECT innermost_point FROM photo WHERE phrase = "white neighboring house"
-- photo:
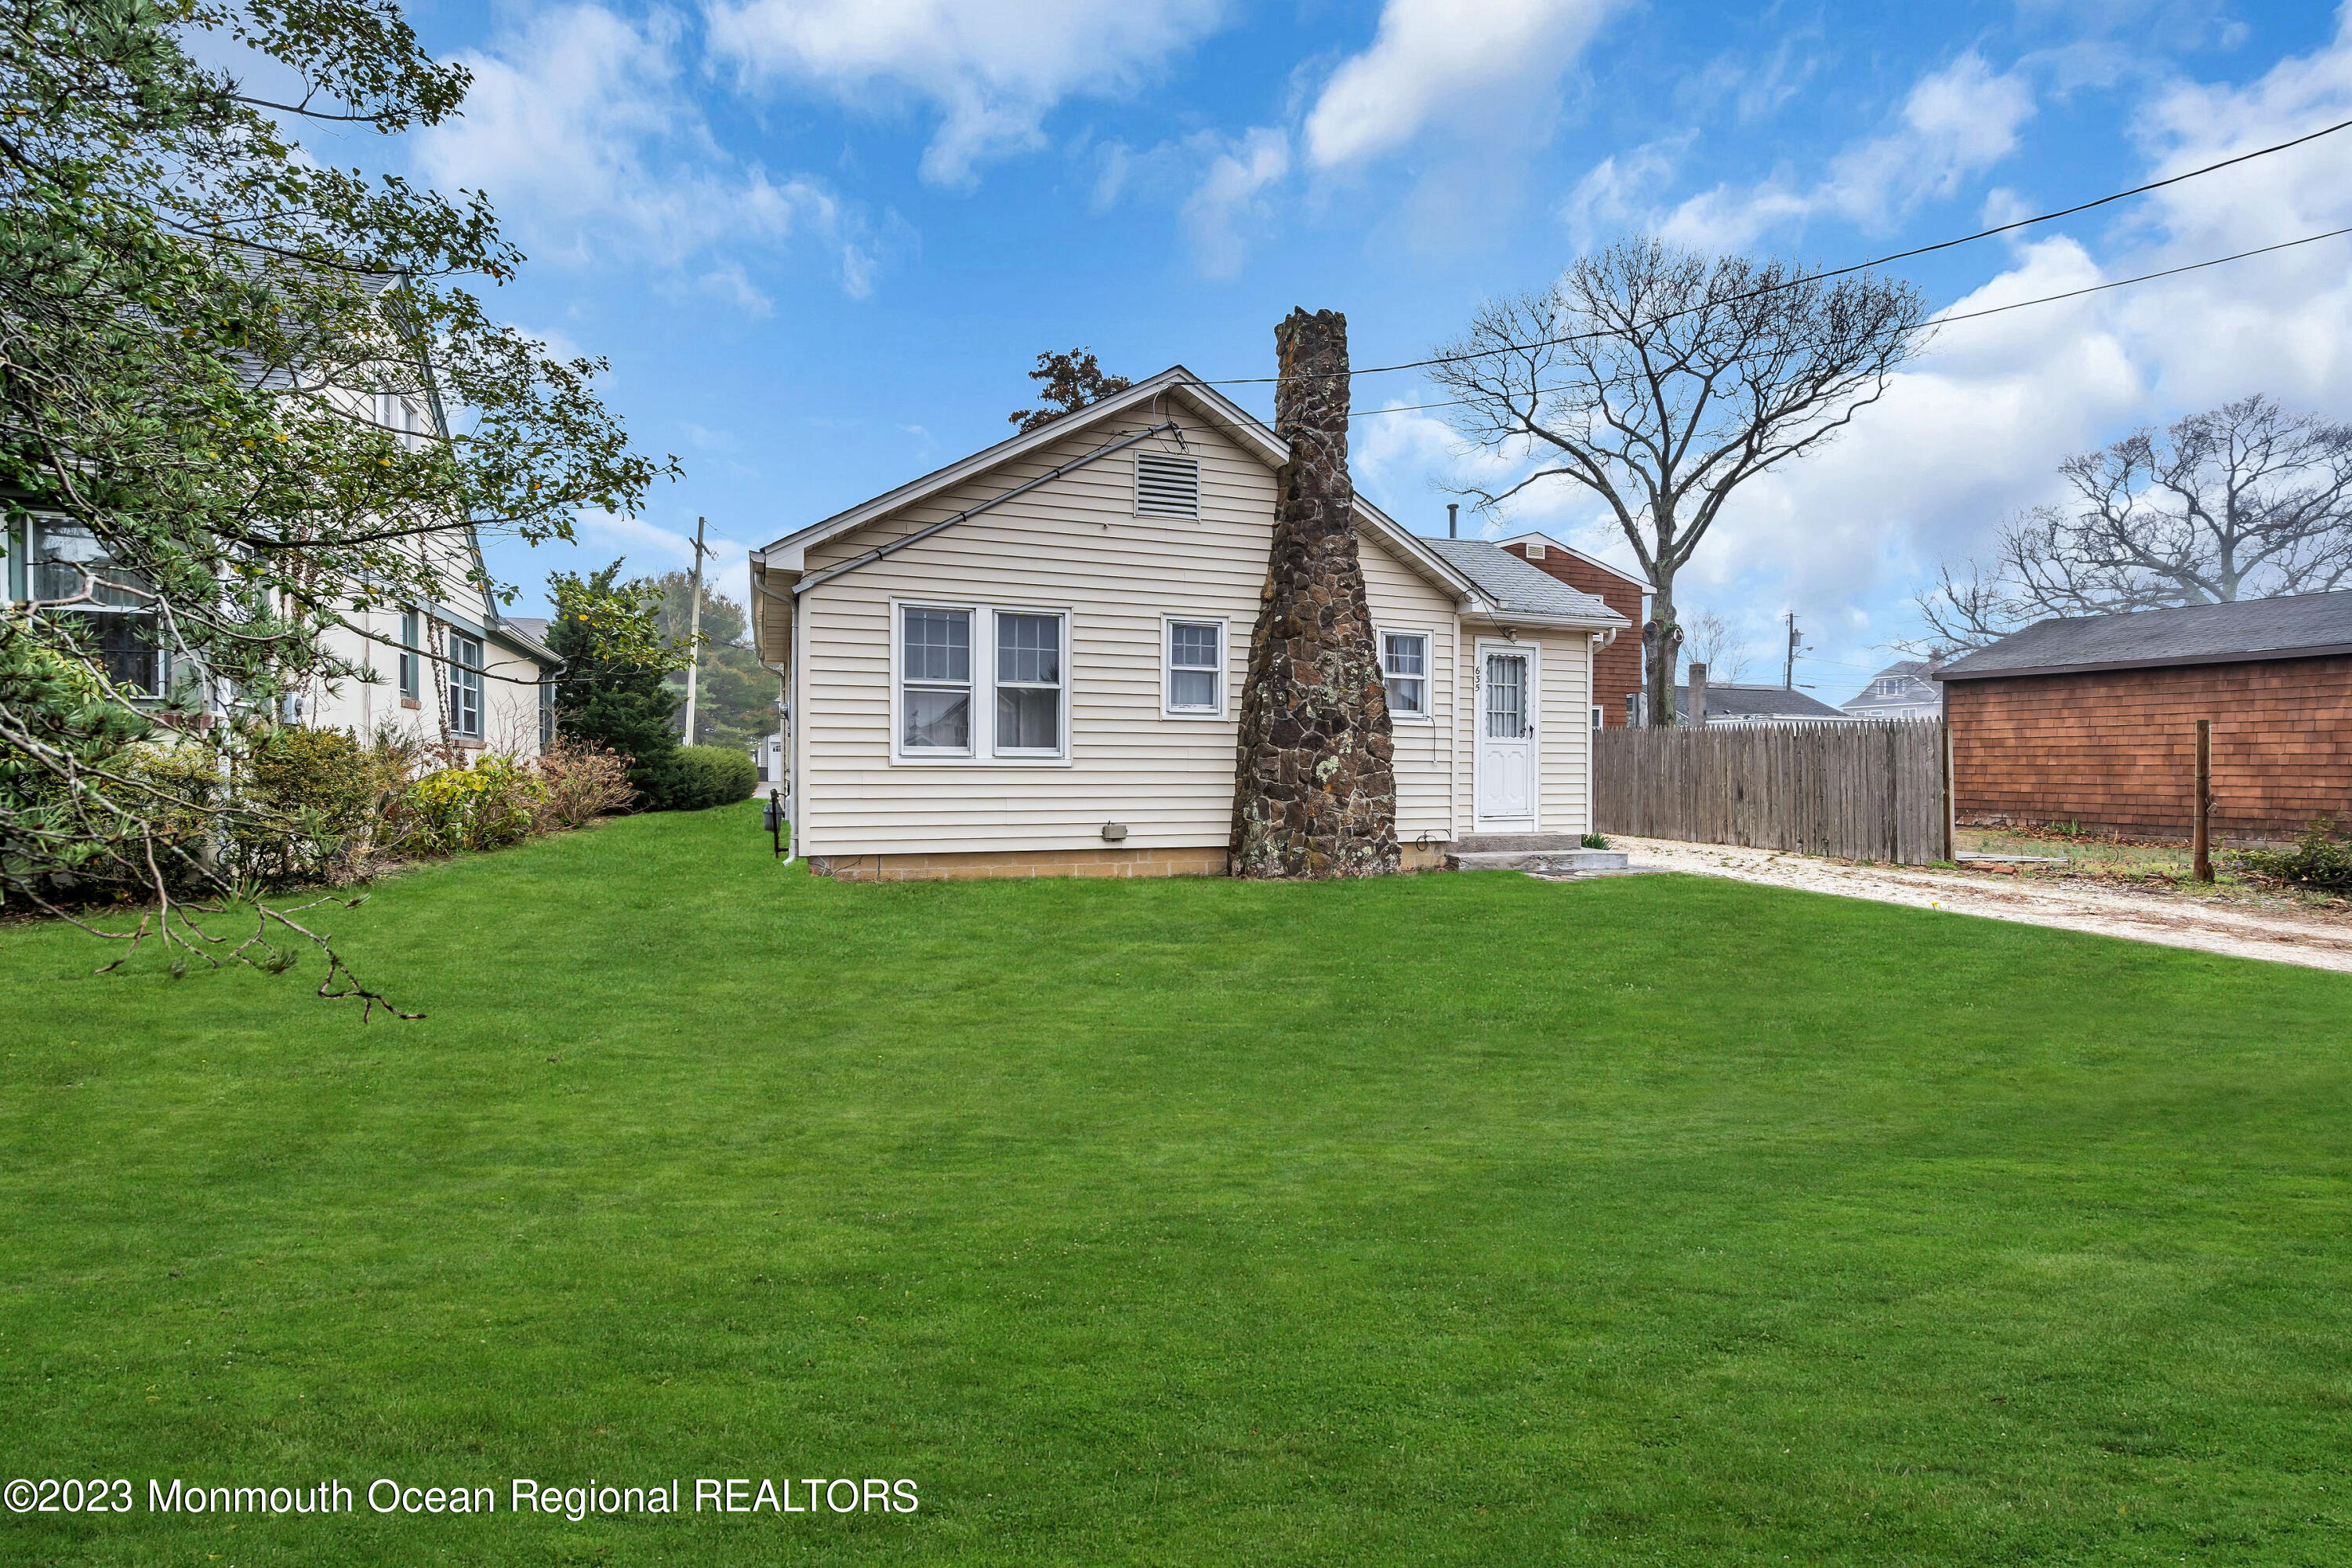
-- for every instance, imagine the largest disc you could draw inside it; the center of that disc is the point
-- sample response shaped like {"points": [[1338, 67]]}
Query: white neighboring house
{"points": [[1905, 689], [449, 668], [1030, 662]]}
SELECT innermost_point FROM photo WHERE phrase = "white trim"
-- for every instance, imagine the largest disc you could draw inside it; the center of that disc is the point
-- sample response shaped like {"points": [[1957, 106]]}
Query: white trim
{"points": [[983, 751], [1428, 636], [1061, 686], [1168, 620], [1533, 651]]}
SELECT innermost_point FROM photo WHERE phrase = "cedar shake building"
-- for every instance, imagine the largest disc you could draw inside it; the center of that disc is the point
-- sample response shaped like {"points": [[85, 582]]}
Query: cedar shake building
{"points": [[1617, 667], [2093, 721]]}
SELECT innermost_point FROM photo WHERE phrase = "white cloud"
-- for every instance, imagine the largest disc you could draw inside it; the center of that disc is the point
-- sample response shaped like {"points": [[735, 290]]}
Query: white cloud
{"points": [[1229, 200], [577, 129], [1436, 60], [1616, 193], [991, 69], [1954, 122]]}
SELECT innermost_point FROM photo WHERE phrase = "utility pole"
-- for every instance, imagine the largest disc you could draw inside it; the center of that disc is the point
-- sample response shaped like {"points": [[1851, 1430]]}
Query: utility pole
{"points": [[1789, 662], [693, 631]]}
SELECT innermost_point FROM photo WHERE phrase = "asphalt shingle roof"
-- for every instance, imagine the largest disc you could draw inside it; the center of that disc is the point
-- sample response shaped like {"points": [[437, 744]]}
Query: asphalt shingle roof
{"points": [[1755, 702], [1514, 585], [2194, 634]]}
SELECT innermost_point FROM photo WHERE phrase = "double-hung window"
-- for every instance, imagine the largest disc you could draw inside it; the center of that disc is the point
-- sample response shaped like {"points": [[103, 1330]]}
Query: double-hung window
{"points": [[1028, 684], [989, 683], [71, 572], [465, 685], [411, 685], [1196, 667], [1404, 669], [935, 681]]}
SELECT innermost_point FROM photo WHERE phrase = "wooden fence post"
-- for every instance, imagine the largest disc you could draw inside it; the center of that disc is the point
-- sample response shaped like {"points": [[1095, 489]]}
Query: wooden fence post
{"points": [[1951, 795], [2202, 859]]}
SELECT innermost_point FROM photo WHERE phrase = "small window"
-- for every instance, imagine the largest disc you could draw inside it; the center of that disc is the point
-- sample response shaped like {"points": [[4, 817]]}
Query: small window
{"points": [[1404, 668], [1167, 485], [411, 685], [1028, 684], [1196, 667], [1535, 551], [1597, 711], [465, 685], [935, 680]]}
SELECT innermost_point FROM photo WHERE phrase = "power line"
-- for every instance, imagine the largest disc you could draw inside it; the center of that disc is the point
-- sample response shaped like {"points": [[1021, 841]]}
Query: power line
{"points": [[1970, 315], [1836, 271]]}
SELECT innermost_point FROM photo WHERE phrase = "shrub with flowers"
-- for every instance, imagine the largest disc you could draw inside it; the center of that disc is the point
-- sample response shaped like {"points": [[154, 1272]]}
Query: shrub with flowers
{"points": [[487, 806]]}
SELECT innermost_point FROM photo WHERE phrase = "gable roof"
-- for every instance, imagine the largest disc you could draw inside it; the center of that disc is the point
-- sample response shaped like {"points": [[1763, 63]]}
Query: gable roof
{"points": [[1144, 398], [1549, 543], [1517, 588], [2299, 625], [1755, 702]]}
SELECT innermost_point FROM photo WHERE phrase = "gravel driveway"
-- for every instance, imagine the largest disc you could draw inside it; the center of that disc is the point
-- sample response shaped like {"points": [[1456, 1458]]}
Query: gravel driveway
{"points": [[2177, 919]]}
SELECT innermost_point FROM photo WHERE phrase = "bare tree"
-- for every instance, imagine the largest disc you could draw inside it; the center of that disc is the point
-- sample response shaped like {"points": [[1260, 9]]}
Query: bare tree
{"points": [[1662, 380], [1708, 639], [2247, 501]]}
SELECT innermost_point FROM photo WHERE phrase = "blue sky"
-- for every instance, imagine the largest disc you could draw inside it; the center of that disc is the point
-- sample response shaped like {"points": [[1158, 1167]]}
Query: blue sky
{"points": [[822, 240]]}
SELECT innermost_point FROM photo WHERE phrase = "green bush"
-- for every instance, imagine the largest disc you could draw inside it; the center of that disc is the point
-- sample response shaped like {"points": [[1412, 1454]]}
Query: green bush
{"points": [[329, 789], [2321, 859], [487, 806], [702, 776]]}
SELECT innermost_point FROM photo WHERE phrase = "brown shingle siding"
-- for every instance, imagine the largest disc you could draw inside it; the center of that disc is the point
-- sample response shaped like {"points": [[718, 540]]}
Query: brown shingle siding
{"points": [[2116, 750], [1617, 669]]}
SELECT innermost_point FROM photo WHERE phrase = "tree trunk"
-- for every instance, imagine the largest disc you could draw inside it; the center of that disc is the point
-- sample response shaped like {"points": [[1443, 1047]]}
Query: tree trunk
{"points": [[1315, 785], [1662, 642]]}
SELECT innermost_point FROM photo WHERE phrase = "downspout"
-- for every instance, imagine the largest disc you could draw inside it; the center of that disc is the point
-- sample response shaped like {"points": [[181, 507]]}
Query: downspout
{"points": [[785, 683]]}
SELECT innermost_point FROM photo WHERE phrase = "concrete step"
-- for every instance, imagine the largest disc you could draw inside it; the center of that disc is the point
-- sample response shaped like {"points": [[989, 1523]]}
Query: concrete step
{"points": [[1488, 842], [1543, 862]]}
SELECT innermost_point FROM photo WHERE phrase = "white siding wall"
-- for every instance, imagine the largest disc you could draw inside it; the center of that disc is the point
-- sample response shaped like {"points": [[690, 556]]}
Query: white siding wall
{"points": [[1563, 729], [1076, 544]]}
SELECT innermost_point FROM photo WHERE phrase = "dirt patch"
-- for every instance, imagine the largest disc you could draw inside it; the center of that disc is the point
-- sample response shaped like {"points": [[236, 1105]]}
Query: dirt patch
{"points": [[2319, 939]]}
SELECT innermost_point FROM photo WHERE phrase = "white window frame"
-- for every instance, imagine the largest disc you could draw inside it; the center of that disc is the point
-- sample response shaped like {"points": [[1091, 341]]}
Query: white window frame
{"points": [[1599, 716], [460, 687], [985, 752], [1168, 625], [1194, 463], [1428, 714], [1061, 688]]}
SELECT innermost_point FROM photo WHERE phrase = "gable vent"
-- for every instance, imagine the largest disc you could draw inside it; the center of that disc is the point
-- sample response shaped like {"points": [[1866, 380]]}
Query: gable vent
{"points": [[1166, 486]]}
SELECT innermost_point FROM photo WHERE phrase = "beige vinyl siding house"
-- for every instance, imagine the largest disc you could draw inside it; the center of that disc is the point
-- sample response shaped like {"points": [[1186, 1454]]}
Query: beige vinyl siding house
{"points": [[1031, 661]]}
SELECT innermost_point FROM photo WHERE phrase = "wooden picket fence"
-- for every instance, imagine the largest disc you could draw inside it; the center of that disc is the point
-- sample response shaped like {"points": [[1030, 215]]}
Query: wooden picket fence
{"points": [[1874, 791]]}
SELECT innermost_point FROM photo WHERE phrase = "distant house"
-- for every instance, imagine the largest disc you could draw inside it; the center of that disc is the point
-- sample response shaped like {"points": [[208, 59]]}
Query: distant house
{"points": [[1616, 665], [2094, 719], [448, 670], [1751, 705], [1030, 662], [1905, 689]]}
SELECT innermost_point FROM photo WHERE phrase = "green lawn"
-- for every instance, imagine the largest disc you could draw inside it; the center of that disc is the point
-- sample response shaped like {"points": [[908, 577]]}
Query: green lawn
{"points": [[1442, 1219]]}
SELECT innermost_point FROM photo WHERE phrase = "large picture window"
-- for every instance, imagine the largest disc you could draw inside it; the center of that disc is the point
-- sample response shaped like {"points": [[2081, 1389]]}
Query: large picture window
{"points": [[935, 680], [1404, 669], [465, 685], [1028, 684], [1196, 667]]}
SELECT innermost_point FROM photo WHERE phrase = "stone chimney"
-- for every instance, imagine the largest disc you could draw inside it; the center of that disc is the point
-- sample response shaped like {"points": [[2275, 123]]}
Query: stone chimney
{"points": [[1315, 784]]}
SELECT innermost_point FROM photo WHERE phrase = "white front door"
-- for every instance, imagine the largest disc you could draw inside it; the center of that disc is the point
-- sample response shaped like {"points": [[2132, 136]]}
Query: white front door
{"points": [[1506, 739]]}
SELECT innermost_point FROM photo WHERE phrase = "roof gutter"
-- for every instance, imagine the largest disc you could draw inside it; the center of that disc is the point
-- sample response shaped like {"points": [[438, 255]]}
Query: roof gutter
{"points": [[2323, 650], [871, 556]]}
